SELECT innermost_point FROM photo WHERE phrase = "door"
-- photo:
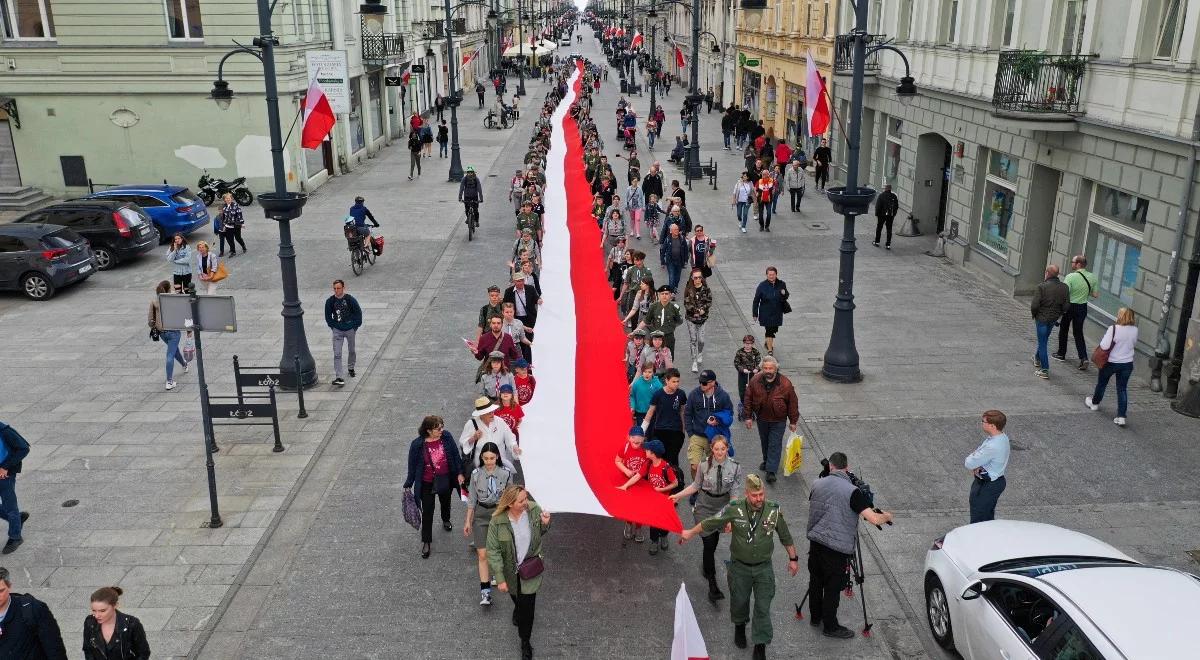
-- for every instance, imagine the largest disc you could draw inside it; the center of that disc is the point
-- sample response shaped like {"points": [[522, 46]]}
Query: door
{"points": [[1039, 220], [931, 181], [12, 260], [1007, 620], [10, 174]]}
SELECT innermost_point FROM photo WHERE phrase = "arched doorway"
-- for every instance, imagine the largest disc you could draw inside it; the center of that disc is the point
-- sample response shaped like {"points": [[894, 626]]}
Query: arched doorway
{"points": [[931, 182]]}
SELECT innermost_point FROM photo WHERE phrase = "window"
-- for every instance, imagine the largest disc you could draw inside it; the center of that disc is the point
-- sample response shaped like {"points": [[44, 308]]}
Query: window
{"points": [[949, 21], [904, 20], [1072, 644], [11, 244], [808, 20], [1000, 194], [357, 139], [27, 19], [1072, 30], [1170, 29], [1114, 245], [891, 161], [1009, 16], [825, 20], [183, 19], [1004, 16], [375, 105]]}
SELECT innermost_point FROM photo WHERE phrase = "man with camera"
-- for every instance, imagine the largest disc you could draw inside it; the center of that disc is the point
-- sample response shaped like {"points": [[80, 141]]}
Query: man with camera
{"points": [[836, 503]]}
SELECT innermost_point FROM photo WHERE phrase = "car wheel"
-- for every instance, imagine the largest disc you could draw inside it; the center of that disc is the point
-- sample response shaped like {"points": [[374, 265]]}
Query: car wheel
{"points": [[37, 286], [243, 197], [105, 258], [937, 611]]}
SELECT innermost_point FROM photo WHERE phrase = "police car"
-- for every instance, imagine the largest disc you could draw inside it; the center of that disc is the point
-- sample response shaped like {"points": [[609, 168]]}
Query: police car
{"points": [[1031, 591]]}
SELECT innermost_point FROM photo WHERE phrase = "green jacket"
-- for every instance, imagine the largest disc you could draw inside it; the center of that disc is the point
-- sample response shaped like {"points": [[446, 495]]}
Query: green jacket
{"points": [[502, 549], [663, 317], [744, 547]]}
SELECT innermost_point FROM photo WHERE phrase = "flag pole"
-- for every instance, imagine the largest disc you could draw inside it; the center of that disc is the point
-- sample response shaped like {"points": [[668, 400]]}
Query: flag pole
{"points": [[834, 112], [299, 111]]}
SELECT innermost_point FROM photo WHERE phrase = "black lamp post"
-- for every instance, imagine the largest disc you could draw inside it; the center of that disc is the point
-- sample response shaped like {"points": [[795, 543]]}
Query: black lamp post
{"points": [[852, 200], [521, 50], [455, 95], [280, 205]]}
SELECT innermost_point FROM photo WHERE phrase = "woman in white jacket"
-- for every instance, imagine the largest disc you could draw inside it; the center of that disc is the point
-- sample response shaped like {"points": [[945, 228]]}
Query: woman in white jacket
{"points": [[206, 268], [1119, 340]]}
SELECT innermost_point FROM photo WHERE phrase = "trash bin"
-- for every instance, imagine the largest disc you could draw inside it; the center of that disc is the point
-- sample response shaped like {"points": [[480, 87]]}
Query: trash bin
{"points": [[624, 86]]}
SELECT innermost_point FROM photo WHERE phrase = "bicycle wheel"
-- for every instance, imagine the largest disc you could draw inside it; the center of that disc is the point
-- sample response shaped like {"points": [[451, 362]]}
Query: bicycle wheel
{"points": [[356, 262], [470, 228], [370, 254]]}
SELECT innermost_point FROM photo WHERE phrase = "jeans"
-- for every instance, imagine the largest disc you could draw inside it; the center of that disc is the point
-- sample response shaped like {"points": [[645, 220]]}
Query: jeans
{"points": [[1073, 320], [340, 336], [673, 272], [774, 204], [1043, 338], [650, 136], [427, 496], [171, 338], [725, 136], [797, 196], [1122, 370], [770, 436], [743, 213], [827, 576], [9, 509], [984, 495], [414, 163], [442, 149]]}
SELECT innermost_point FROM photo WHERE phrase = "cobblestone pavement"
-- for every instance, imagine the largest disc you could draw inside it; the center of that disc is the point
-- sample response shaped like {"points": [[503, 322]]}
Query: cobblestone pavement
{"points": [[315, 560]]}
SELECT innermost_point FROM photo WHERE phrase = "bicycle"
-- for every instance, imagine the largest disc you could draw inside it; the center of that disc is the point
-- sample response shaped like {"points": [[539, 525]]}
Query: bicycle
{"points": [[472, 218], [360, 254]]}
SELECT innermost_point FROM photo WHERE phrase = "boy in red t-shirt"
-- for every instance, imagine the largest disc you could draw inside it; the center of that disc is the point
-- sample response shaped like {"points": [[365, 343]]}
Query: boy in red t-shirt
{"points": [[524, 381], [662, 479], [632, 463]]}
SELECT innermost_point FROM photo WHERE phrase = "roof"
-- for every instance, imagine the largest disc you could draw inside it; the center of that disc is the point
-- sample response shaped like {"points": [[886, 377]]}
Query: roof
{"points": [[1136, 607], [979, 544], [150, 187], [31, 229]]}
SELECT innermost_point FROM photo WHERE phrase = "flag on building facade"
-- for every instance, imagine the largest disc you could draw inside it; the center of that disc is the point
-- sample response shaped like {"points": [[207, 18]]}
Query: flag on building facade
{"points": [[406, 74], [637, 40], [688, 643], [318, 117], [680, 60], [816, 100]]}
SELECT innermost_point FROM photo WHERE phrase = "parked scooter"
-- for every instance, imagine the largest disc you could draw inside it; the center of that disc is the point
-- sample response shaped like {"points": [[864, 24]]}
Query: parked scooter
{"points": [[211, 189]]}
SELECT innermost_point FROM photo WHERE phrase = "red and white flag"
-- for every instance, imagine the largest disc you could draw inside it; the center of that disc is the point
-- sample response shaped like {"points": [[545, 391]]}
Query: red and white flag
{"points": [[680, 60], [816, 100], [467, 59], [318, 117], [620, 32], [406, 74], [637, 40], [688, 643], [579, 420]]}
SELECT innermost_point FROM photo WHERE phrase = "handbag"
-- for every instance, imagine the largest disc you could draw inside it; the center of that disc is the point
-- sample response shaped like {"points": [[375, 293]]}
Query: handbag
{"points": [[154, 334], [412, 511], [220, 273], [531, 568], [786, 307], [1100, 354]]}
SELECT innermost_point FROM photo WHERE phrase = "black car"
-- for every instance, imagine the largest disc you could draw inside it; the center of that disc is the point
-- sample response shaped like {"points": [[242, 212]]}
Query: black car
{"points": [[118, 230], [39, 259]]}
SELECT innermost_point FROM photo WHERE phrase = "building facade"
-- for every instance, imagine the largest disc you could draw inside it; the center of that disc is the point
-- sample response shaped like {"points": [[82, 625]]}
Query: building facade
{"points": [[1043, 130], [774, 88]]}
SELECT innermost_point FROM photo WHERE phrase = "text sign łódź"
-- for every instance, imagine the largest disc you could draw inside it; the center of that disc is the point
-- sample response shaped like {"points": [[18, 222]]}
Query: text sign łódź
{"points": [[241, 411]]}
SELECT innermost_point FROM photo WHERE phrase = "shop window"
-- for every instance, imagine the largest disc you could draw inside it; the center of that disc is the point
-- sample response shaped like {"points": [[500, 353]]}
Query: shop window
{"points": [[1000, 193], [1122, 208], [891, 161], [1114, 245], [357, 139]]}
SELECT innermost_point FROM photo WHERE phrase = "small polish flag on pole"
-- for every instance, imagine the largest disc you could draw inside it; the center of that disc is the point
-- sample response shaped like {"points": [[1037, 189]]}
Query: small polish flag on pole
{"points": [[680, 60], [688, 643], [318, 117], [637, 40], [815, 100], [406, 74]]}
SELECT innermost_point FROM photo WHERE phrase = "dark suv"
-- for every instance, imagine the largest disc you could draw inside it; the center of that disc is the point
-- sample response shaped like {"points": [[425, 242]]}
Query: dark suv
{"points": [[38, 259], [116, 229]]}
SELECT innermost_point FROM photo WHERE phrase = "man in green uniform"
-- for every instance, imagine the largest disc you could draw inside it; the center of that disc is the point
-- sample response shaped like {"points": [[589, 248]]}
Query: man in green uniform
{"points": [[1082, 286], [664, 314], [754, 522], [527, 219], [494, 307]]}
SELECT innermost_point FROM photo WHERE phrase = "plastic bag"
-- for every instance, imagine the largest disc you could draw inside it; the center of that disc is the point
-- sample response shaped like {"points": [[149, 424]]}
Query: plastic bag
{"points": [[793, 457], [412, 510], [188, 347]]}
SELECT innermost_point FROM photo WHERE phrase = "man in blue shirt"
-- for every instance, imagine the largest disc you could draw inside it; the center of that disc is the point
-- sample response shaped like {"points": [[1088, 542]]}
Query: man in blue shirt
{"points": [[987, 464], [361, 214]]}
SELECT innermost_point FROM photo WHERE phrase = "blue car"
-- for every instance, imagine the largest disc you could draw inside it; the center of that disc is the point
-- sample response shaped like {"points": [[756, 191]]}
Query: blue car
{"points": [[173, 209]]}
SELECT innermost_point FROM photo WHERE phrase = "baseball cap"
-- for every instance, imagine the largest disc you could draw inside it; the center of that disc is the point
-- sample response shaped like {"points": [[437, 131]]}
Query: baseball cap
{"points": [[707, 376], [656, 447], [493, 288], [637, 430]]}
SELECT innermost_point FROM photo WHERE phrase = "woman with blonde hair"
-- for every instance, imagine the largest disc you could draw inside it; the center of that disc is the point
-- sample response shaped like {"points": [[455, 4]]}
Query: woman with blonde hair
{"points": [[1119, 340], [514, 552], [206, 267]]}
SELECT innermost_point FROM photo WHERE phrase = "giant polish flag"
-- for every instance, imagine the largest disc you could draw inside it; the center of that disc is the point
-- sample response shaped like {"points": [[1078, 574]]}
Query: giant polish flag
{"points": [[577, 422]]}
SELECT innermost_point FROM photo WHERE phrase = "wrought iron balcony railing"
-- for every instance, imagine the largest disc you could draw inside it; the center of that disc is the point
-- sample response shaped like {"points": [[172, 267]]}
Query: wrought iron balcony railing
{"points": [[843, 54], [1032, 81], [382, 47]]}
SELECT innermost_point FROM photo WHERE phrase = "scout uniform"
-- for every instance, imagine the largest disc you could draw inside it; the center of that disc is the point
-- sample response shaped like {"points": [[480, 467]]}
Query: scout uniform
{"points": [[665, 318], [750, 546], [529, 221]]}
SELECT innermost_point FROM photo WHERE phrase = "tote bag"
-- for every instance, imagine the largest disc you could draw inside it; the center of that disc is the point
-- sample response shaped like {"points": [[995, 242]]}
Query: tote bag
{"points": [[412, 510], [1100, 354]]}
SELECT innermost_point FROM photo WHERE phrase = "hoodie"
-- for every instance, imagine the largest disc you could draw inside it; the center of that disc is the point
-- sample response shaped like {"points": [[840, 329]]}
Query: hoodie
{"points": [[701, 406], [724, 421]]}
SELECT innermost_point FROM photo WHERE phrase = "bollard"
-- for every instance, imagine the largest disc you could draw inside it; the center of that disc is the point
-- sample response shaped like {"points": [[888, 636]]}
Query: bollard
{"points": [[299, 391]]}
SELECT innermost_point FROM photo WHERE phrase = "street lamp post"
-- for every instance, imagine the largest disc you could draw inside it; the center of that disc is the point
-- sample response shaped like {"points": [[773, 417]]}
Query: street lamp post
{"points": [[521, 50], [693, 99], [456, 171], [279, 205], [841, 356]]}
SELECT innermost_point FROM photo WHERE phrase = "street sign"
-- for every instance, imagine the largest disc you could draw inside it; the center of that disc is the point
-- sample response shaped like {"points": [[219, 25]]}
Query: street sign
{"points": [[393, 81], [741, 59], [751, 62], [257, 380], [244, 410], [418, 68]]}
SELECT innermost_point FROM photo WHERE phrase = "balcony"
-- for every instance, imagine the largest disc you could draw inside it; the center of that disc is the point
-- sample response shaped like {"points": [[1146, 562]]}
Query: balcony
{"points": [[843, 54], [1038, 91], [385, 48]]}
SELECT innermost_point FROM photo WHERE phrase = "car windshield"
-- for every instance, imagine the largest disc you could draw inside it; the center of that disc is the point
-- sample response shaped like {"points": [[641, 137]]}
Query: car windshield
{"points": [[1034, 566], [183, 197], [62, 238]]}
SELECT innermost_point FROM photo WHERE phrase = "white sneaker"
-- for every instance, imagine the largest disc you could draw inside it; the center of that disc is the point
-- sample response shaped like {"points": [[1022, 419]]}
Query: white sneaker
{"points": [[485, 597], [695, 367], [170, 384], [187, 367], [1087, 401], [1119, 421], [743, 230]]}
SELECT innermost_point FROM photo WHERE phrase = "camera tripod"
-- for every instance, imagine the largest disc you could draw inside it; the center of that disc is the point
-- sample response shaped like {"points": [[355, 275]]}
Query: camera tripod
{"points": [[854, 575]]}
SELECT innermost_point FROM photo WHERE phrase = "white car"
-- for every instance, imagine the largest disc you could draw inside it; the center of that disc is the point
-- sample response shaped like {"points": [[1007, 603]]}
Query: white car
{"points": [[1030, 591]]}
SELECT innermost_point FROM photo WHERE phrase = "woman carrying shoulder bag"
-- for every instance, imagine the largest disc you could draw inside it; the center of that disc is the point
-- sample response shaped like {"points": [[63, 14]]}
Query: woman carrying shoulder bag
{"points": [[514, 551], [209, 268], [1115, 356]]}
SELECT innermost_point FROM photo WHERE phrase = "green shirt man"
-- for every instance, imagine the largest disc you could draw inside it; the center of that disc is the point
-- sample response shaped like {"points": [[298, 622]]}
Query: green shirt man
{"points": [[664, 315], [754, 523], [1080, 282]]}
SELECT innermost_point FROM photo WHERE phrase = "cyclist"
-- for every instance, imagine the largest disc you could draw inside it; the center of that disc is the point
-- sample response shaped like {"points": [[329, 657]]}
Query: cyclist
{"points": [[360, 214], [470, 193]]}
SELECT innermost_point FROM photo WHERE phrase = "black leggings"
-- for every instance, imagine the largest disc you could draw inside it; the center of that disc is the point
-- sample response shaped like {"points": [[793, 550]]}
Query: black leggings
{"points": [[427, 511], [231, 235], [710, 551], [524, 604]]}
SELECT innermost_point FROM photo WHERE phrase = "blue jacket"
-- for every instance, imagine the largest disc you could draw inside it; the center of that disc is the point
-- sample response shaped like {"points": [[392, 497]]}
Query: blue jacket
{"points": [[360, 213], [700, 407], [344, 314], [768, 303], [13, 450], [665, 252], [723, 428], [416, 463]]}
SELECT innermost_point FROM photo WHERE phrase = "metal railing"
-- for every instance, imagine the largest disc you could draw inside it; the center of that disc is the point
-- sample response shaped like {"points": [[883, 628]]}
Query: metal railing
{"points": [[843, 53], [1032, 81], [382, 47]]}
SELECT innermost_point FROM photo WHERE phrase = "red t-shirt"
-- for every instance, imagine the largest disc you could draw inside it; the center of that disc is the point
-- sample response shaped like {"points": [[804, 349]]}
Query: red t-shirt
{"points": [[512, 416], [659, 476], [524, 387], [634, 458]]}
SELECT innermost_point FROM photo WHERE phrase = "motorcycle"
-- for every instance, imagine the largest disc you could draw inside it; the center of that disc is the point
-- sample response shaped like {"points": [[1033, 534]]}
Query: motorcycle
{"points": [[210, 189]]}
